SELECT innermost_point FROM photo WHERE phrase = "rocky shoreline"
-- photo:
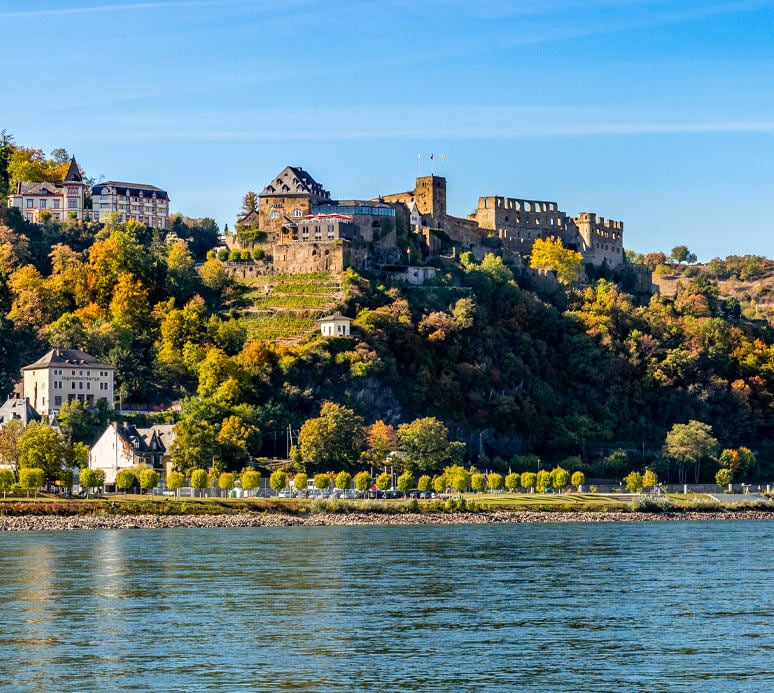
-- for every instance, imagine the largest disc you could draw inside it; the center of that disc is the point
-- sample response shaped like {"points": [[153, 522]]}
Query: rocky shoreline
{"points": [[47, 523]]}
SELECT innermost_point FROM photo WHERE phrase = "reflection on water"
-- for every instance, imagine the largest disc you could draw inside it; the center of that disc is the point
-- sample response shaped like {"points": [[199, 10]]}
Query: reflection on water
{"points": [[654, 606]]}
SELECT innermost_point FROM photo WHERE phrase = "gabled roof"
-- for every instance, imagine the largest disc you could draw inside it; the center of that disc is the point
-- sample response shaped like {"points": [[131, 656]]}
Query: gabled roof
{"points": [[338, 316], [293, 180], [132, 436], [73, 173], [163, 434], [39, 188], [250, 219], [17, 408], [66, 357]]}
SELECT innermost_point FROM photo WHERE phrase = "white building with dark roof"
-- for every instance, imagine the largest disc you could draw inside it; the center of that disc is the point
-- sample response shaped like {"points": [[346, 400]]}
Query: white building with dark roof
{"points": [[122, 446], [145, 203], [63, 375], [62, 201], [337, 325], [18, 408]]}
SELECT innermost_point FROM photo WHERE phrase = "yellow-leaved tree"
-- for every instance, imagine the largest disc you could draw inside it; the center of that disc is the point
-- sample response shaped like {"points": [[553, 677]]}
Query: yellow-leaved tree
{"points": [[549, 253]]}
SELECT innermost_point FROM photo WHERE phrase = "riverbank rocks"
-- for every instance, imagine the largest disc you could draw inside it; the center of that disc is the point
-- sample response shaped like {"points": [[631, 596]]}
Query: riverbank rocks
{"points": [[92, 522]]}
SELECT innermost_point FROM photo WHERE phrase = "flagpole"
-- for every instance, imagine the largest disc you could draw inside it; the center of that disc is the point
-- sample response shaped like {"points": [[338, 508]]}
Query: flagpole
{"points": [[443, 165], [432, 165]]}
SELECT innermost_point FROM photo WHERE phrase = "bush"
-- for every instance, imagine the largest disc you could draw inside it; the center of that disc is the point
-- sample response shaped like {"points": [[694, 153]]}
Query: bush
{"points": [[649, 505]]}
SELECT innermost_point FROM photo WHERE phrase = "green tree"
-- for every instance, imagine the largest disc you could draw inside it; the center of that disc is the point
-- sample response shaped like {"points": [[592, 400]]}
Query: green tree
{"points": [[680, 253], [199, 480], [149, 479], [322, 481], [550, 254], [512, 482], [439, 483], [560, 478], [424, 483], [333, 439], [278, 480], [125, 479], [542, 480], [300, 482], [689, 444], [529, 480], [180, 279], [617, 463], [7, 480], [226, 481], [10, 435], [250, 479], [213, 275], [31, 479], [478, 482], [175, 481], [343, 481], [40, 446], [649, 479], [406, 482], [249, 203], [426, 444], [578, 479], [363, 481], [724, 477], [633, 482], [383, 481], [95, 480], [495, 481]]}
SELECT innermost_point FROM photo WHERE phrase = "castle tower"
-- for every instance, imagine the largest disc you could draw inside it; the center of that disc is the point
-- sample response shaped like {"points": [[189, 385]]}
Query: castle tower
{"points": [[586, 223], [430, 197]]}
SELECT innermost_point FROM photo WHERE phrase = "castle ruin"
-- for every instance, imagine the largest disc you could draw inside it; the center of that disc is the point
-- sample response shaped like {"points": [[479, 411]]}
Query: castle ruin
{"points": [[303, 229]]}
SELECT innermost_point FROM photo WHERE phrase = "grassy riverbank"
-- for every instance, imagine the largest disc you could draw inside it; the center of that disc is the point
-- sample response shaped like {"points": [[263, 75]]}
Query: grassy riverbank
{"points": [[468, 504]]}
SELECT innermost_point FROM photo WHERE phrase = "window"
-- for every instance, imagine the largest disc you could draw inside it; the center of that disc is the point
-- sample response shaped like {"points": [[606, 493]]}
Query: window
{"points": [[30, 204], [56, 204], [297, 213], [72, 204], [42, 204], [58, 400], [274, 215]]}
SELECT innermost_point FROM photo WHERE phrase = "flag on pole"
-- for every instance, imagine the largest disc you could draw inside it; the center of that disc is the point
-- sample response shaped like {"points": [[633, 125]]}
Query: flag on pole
{"points": [[432, 157]]}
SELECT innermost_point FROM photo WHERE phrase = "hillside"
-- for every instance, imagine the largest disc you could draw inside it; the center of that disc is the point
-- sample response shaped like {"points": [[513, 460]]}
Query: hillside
{"points": [[285, 307]]}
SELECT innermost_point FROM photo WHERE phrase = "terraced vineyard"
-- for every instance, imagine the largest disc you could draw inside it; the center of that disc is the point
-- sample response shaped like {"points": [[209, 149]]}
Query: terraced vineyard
{"points": [[285, 307]]}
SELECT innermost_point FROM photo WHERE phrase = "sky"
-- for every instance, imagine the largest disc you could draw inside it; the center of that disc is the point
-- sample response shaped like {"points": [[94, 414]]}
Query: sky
{"points": [[659, 113]]}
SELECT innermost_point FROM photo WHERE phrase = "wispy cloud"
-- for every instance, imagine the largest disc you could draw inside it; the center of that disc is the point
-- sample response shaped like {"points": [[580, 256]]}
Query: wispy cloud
{"points": [[118, 7], [450, 122]]}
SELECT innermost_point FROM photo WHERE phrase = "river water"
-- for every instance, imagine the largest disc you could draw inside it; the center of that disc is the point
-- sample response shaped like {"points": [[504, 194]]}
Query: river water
{"points": [[656, 606]]}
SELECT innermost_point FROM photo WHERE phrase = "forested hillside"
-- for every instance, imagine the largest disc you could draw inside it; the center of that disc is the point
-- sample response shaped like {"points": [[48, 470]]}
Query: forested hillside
{"points": [[575, 372]]}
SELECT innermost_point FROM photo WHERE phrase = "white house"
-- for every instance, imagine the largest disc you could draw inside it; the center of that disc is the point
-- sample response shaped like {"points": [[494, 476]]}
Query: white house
{"points": [[122, 446], [335, 325], [63, 375]]}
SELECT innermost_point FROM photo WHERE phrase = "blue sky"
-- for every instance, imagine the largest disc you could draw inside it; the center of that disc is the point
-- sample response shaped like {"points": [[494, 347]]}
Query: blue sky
{"points": [[658, 113]]}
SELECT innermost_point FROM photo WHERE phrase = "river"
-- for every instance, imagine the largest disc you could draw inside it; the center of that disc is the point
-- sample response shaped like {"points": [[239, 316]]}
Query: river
{"points": [[655, 606]]}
